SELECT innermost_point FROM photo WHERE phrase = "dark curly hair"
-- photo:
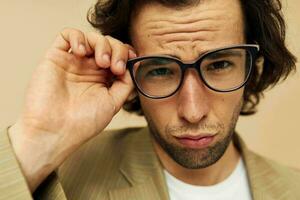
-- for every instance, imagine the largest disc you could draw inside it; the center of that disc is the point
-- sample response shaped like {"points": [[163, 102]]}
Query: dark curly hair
{"points": [[264, 24]]}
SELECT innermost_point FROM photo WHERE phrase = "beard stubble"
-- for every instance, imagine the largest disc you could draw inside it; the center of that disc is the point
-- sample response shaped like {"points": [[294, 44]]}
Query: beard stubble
{"points": [[195, 158]]}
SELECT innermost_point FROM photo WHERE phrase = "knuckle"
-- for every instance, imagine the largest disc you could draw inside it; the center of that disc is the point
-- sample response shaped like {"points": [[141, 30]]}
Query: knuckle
{"points": [[104, 43], [119, 47], [113, 40], [93, 34], [109, 37], [128, 46], [72, 34], [79, 34], [67, 30], [96, 40], [101, 39], [76, 33]]}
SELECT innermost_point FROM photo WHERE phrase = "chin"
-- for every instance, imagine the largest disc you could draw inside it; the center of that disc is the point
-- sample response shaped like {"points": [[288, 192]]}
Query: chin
{"points": [[194, 158]]}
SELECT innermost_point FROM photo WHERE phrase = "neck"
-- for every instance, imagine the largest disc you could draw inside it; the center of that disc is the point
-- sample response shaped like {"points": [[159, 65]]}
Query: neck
{"points": [[211, 175]]}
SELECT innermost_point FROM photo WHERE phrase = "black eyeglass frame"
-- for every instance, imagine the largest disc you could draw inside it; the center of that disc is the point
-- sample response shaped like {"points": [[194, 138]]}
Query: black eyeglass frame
{"points": [[253, 49]]}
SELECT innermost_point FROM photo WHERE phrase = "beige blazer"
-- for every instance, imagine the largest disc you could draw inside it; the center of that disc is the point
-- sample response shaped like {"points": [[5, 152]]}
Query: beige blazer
{"points": [[119, 165]]}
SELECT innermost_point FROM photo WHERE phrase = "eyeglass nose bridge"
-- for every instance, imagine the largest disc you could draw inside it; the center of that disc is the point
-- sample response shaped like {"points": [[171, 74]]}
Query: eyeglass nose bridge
{"points": [[194, 65]]}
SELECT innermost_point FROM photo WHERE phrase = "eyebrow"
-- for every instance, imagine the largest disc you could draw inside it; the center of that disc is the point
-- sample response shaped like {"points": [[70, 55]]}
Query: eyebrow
{"points": [[215, 55], [226, 53], [158, 61]]}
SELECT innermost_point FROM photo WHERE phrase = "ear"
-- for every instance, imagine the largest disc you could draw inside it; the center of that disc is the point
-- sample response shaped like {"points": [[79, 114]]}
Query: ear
{"points": [[259, 64]]}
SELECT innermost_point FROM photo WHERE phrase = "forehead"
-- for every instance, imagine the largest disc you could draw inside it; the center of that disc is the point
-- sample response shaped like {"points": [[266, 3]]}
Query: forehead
{"points": [[189, 31]]}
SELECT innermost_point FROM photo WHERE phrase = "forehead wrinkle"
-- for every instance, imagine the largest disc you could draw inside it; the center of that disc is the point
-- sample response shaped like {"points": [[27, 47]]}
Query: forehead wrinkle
{"points": [[190, 16], [197, 22], [190, 32], [178, 49], [169, 39], [166, 33], [162, 28], [173, 29]]}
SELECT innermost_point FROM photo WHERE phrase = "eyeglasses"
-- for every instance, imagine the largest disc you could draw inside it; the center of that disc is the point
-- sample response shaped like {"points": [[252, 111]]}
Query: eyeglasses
{"points": [[222, 70]]}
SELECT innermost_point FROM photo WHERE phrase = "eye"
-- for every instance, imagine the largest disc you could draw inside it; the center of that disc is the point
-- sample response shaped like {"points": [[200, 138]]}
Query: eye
{"points": [[160, 72], [219, 66]]}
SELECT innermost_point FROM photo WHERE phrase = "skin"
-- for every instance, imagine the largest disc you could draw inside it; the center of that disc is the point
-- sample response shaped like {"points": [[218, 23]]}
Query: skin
{"points": [[70, 95], [194, 109], [81, 83]]}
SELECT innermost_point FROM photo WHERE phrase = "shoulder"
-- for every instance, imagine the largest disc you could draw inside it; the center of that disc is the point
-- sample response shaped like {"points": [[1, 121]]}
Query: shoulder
{"points": [[275, 176], [259, 165], [278, 168], [97, 163], [268, 177], [119, 135], [109, 141], [106, 143]]}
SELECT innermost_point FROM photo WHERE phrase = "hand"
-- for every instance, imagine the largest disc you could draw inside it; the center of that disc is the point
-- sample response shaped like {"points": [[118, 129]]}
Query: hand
{"points": [[74, 93]]}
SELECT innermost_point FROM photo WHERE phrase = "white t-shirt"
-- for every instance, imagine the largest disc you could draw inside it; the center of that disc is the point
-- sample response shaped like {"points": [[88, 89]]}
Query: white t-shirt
{"points": [[234, 187]]}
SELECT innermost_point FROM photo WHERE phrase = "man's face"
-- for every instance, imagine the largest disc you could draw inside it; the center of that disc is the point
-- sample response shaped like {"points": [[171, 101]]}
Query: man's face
{"points": [[180, 122]]}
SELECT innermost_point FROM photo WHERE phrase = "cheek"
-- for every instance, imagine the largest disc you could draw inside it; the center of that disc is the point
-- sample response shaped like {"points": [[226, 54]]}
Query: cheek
{"points": [[164, 111], [227, 105], [159, 111]]}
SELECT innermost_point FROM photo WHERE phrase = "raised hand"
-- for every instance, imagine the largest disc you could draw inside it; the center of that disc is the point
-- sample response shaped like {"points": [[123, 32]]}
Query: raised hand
{"points": [[74, 93]]}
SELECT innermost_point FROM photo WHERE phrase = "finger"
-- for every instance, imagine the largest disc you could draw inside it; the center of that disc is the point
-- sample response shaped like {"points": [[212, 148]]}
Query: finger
{"points": [[88, 67], [90, 63], [119, 56], [131, 52], [101, 47], [121, 89], [88, 48], [77, 41], [70, 63], [61, 43], [71, 39]]}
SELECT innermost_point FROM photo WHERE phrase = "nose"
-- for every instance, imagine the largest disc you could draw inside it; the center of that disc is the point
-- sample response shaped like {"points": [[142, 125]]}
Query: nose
{"points": [[192, 102]]}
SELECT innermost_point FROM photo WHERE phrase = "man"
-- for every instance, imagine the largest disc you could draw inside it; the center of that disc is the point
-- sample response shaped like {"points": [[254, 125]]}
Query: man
{"points": [[195, 66]]}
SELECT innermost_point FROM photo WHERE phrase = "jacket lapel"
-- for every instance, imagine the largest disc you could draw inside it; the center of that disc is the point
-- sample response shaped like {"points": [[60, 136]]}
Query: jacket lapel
{"points": [[265, 182], [142, 169]]}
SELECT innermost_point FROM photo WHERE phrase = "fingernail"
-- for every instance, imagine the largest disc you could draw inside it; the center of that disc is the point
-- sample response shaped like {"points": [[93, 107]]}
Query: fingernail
{"points": [[106, 58], [132, 54], [121, 65], [82, 48]]}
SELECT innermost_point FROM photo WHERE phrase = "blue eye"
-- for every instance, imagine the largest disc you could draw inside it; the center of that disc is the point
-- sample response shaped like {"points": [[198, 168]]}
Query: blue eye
{"points": [[160, 72]]}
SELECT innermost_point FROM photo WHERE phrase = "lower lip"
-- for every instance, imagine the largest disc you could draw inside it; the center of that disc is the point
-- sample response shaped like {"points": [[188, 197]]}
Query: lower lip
{"points": [[196, 143]]}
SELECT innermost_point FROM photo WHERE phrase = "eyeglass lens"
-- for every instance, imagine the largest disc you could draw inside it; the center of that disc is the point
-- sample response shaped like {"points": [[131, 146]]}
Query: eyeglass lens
{"points": [[221, 70]]}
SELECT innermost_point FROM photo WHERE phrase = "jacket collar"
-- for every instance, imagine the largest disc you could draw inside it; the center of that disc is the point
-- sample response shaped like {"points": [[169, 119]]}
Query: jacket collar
{"points": [[265, 182], [142, 169]]}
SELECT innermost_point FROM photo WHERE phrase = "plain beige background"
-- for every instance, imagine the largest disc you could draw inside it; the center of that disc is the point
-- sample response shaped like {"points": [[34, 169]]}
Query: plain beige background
{"points": [[29, 26]]}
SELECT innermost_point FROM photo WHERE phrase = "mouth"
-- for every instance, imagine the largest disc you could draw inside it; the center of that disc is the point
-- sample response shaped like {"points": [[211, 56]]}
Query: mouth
{"points": [[196, 141]]}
